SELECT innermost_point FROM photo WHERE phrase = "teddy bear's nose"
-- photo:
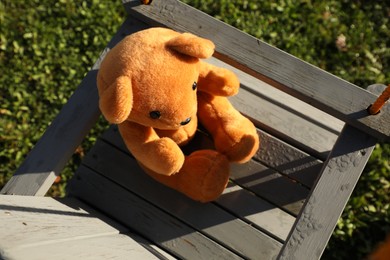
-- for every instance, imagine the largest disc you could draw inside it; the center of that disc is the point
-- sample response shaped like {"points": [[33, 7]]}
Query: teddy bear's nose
{"points": [[186, 121]]}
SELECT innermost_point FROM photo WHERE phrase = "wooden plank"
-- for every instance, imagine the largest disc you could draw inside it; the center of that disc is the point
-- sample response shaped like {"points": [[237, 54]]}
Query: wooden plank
{"points": [[56, 146], [327, 200], [156, 225], [119, 246], [253, 175], [288, 160], [252, 208], [256, 211], [270, 185], [39, 227], [108, 247], [284, 116], [312, 85], [28, 220], [279, 121], [207, 218], [274, 95]]}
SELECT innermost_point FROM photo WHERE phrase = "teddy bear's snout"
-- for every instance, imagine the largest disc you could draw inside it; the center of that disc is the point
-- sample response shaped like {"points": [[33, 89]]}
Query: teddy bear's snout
{"points": [[186, 121]]}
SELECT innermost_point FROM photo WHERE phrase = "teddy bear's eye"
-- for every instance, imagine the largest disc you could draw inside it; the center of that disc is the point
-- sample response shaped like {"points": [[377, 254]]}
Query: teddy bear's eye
{"points": [[194, 85], [155, 114]]}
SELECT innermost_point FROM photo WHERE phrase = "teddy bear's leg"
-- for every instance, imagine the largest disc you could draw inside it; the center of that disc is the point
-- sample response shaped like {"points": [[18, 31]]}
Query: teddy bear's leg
{"points": [[203, 177], [234, 135]]}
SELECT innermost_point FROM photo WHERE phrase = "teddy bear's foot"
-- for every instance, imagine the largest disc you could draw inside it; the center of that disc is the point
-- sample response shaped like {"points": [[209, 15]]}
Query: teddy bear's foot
{"points": [[234, 135], [203, 177]]}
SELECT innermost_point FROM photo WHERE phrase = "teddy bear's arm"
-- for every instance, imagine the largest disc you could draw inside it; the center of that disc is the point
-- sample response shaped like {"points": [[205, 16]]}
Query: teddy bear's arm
{"points": [[217, 81], [162, 155]]}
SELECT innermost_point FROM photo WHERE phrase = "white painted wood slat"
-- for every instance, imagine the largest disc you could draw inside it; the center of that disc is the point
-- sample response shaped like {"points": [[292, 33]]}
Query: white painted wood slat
{"points": [[43, 228], [115, 247]]}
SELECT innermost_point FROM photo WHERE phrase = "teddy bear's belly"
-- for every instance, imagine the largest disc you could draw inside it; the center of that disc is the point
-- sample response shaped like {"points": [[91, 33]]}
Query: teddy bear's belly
{"points": [[182, 135]]}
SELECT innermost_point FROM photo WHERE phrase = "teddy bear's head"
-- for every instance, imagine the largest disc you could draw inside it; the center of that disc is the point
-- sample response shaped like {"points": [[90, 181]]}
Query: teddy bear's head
{"points": [[151, 78]]}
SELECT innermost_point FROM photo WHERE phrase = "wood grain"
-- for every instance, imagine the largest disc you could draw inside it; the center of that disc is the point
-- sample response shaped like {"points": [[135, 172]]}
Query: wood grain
{"points": [[284, 116], [288, 160], [327, 200], [42, 227], [206, 218], [114, 247], [270, 185], [255, 176], [255, 211], [156, 225]]}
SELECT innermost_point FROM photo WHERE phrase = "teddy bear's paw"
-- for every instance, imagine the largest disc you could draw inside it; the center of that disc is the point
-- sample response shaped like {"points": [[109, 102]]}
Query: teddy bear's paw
{"points": [[219, 82], [232, 83], [242, 150], [238, 144], [163, 156], [204, 175]]}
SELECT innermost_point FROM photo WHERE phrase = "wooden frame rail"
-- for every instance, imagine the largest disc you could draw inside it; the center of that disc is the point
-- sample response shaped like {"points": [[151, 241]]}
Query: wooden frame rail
{"points": [[326, 201]]}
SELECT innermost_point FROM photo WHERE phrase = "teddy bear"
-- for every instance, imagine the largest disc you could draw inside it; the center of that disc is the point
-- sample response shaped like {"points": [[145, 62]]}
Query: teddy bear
{"points": [[155, 86]]}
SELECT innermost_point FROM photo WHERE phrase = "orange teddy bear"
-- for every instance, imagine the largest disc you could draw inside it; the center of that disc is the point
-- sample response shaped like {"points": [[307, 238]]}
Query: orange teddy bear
{"points": [[155, 87]]}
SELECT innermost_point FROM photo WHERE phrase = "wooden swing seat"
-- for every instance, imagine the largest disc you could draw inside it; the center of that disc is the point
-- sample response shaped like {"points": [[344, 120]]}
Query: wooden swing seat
{"points": [[316, 137]]}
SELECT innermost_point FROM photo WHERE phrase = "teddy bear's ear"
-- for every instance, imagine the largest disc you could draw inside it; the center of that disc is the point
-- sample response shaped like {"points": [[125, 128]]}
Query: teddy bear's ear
{"points": [[192, 45], [116, 100]]}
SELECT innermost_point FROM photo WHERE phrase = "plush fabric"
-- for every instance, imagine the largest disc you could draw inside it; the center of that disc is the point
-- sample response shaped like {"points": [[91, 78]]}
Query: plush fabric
{"points": [[155, 87]]}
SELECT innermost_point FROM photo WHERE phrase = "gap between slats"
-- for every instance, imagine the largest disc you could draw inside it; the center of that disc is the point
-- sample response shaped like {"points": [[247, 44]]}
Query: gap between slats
{"points": [[144, 180], [145, 219], [259, 174], [168, 193], [226, 204]]}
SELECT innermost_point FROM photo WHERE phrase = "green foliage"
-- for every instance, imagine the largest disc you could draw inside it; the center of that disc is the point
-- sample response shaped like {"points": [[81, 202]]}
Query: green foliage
{"points": [[46, 47], [309, 30]]}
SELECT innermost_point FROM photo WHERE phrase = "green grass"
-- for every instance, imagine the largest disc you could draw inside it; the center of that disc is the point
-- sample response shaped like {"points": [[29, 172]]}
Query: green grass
{"points": [[46, 47]]}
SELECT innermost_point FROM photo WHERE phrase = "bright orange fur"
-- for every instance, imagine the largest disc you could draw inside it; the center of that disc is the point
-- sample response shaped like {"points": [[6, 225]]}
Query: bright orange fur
{"points": [[157, 70]]}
